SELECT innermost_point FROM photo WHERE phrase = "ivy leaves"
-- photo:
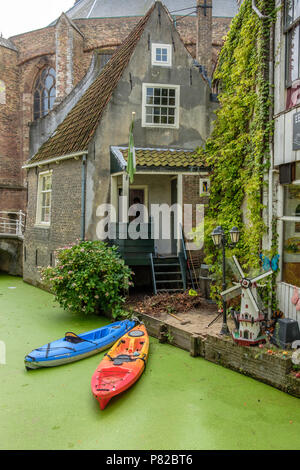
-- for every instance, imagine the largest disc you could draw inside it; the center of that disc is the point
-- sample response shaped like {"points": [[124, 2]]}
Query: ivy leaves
{"points": [[238, 150]]}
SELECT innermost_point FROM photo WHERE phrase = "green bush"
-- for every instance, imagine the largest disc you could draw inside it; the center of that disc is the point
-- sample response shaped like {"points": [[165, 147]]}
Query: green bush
{"points": [[89, 277]]}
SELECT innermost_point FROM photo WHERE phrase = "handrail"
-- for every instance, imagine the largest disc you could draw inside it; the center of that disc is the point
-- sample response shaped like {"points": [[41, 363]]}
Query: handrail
{"points": [[12, 226], [183, 242], [185, 255]]}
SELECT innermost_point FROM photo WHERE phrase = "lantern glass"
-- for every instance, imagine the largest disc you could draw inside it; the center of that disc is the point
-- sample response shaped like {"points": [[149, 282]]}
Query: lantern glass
{"points": [[217, 236], [234, 235]]}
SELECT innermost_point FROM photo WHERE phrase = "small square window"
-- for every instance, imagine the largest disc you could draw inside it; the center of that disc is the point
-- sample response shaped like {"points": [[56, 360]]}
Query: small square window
{"points": [[162, 55], [204, 186]]}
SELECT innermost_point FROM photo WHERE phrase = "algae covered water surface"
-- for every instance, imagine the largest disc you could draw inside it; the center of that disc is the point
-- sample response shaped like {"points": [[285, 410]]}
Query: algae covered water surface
{"points": [[179, 403]]}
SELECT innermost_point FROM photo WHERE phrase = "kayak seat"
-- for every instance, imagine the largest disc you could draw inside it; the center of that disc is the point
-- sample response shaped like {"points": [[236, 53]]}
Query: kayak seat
{"points": [[119, 360], [73, 338]]}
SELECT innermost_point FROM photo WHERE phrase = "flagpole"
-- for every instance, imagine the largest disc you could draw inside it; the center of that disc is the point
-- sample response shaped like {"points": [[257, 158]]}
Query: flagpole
{"points": [[131, 160]]}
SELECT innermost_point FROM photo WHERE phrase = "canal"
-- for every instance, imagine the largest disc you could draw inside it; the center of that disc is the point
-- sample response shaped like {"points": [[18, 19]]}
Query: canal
{"points": [[180, 402]]}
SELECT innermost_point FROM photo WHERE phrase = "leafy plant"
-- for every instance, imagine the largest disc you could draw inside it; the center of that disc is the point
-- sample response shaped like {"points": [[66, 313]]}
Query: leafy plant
{"points": [[89, 277], [239, 148]]}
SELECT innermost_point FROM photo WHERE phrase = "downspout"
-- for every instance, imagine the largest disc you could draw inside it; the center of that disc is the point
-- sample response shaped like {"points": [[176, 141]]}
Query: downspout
{"points": [[83, 201], [254, 7], [271, 171]]}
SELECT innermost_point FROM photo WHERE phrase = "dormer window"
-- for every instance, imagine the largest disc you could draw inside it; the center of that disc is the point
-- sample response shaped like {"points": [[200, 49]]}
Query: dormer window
{"points": [[162, 55]]}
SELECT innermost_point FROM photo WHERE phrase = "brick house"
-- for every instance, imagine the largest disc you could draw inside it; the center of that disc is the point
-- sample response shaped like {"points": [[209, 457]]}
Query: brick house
{"points": [[82, 165], [63, 51]]}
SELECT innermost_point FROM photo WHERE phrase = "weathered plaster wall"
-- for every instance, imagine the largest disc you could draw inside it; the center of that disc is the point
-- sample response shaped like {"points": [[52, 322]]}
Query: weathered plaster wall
{"points": [[195, 110]]}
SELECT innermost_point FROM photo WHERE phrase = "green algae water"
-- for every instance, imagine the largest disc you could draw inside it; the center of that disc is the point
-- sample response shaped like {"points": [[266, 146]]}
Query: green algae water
{"points": [[179, 403]]}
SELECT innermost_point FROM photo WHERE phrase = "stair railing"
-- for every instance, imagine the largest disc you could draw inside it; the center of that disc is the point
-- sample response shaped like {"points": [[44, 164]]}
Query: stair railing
{"points": [[153, 274], [185, 259]]}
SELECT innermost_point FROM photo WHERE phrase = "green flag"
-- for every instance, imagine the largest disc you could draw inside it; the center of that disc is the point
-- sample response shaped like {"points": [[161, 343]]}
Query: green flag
{"points": [[131, 162]]}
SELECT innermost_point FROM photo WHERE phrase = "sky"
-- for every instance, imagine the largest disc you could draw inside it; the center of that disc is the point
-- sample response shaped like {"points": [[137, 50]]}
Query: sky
{"points": [[21, 16]]}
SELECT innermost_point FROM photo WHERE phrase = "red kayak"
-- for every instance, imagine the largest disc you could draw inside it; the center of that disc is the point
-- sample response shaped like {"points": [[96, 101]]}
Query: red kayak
{"points": [[122, 366]]}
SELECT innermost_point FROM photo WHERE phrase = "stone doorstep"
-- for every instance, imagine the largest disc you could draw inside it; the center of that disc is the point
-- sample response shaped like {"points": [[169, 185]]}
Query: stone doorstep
{"points": [[272, 370]]}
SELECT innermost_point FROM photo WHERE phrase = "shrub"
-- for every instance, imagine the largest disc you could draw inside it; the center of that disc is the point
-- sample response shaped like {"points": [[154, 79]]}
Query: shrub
{"points": [[89, 277]]}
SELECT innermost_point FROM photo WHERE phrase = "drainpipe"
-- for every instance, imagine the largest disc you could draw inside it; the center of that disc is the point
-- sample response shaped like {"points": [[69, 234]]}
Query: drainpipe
{"points": [[254, 7], [83, 201], [271, 172]]}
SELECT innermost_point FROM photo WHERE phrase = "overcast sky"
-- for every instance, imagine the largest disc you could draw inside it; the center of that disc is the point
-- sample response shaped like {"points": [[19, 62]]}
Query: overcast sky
{"points": [[20, 16]]}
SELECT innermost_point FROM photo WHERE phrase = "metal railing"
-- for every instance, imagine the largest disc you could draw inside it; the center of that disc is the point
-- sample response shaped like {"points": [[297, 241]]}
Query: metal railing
{"points": [[12, 223]]}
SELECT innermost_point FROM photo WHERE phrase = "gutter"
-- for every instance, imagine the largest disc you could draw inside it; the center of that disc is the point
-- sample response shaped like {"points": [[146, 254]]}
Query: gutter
{"points": [[55, 159]]}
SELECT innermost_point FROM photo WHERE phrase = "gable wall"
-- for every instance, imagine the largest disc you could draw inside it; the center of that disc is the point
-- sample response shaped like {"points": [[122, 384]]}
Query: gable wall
{"points": [[195, 111]]}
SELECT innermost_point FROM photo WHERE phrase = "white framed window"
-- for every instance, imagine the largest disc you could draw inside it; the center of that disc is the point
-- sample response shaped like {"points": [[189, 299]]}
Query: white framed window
{"points": [[162, 55], [160, 105], [2, 92], [43, 213]]}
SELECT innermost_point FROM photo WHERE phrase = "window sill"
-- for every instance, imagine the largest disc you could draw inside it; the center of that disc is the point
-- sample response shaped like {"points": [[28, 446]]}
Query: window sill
{"points": [[46, 226], [160, 126]]}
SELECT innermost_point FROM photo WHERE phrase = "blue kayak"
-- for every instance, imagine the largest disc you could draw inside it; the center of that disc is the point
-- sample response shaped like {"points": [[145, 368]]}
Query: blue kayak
{"points": [[73, 347]]}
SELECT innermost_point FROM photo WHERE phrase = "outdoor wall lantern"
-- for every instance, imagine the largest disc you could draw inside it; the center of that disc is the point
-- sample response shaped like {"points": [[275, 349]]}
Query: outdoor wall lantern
{"points": [[219, 239]]}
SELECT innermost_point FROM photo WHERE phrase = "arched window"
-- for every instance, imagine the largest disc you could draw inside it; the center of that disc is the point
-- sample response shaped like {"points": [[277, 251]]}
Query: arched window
{"points": [[44, 92], [2, 92]]}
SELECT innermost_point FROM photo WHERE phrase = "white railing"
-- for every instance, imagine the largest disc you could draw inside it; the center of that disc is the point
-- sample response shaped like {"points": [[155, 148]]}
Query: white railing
{"points": [[285, 292], [12, 223]]}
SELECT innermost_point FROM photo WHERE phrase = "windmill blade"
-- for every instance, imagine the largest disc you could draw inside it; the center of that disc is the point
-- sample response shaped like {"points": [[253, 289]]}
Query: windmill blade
{"points": [[232, 292], [239, 267], [252, 300], [262, 276]]}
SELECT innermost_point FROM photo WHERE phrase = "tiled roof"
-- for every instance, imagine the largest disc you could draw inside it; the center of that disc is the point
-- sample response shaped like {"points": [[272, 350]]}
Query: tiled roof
{"points": [[75, 132], [150, 157]]}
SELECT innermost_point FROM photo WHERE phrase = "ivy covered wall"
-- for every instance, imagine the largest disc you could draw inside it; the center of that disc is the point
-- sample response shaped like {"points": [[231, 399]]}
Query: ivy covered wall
{"points": [[239, 147]]}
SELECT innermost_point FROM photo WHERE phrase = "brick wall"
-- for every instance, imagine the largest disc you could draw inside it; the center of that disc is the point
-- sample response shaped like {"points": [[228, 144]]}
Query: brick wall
{"points": [[191, 195], [64, 229]]}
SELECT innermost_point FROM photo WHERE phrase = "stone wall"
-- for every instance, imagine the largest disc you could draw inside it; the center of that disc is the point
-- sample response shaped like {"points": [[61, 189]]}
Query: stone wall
{"points": [[11, 255], [253, 362]]}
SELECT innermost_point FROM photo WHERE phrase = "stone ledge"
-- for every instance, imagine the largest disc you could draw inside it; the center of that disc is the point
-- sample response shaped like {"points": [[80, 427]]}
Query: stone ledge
{"points": [[253, 362]]}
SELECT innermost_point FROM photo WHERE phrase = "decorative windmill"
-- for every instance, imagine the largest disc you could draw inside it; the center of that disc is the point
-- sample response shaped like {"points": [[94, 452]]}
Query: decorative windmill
{"points": [[250, 317]]}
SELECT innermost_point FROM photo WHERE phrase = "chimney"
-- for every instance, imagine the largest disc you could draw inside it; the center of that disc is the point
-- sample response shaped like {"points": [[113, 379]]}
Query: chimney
{"points": [[204, 36]]}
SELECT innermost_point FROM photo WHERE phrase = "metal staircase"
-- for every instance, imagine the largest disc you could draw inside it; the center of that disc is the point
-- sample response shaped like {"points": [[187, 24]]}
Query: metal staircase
{"points": [[168, 274]]}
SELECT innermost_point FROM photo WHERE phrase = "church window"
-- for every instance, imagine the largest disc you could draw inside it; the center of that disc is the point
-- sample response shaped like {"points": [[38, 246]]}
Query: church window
{"points": [[44, 92]]}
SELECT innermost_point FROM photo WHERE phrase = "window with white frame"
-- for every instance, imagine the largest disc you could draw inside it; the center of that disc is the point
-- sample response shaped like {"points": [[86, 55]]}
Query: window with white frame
{"points": [[291, 230], [160, 105], [292, 30], [204, 186], [44, 198], [162, 55], [2, 92]]}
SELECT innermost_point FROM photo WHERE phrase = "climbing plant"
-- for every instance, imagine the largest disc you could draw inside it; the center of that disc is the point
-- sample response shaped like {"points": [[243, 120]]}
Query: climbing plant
{"points": [[238, 150]]}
